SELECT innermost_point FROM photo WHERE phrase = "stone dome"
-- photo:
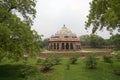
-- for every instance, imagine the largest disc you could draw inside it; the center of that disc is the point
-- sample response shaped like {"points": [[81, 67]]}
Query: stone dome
{"points": [[64, 31]]}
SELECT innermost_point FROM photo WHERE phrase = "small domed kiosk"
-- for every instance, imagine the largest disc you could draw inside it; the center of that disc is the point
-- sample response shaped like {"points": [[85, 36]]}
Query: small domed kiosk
{"points": [[64, 40]]}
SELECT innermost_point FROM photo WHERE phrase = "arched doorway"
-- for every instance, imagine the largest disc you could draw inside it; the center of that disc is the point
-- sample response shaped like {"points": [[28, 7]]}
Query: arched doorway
{"points": [[71, 45], [57, 46], [67, 46], [54, 46], [63, 46]]}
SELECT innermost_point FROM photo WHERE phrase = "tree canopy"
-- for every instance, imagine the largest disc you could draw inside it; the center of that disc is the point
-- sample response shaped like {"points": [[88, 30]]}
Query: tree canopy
{"points": [[16, 36], [26, 8], [104, 13], [115, 40], [92, 40]]}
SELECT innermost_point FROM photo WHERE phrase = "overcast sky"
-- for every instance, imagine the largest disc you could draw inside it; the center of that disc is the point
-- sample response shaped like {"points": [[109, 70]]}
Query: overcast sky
{"points": [[53, 14]]}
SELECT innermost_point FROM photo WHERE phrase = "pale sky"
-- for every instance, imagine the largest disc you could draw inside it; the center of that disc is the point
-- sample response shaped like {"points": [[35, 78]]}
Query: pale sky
{"points": [[53, 14]]}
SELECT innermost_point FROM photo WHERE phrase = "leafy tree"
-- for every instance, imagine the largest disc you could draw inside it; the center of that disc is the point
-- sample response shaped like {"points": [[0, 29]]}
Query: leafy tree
{"points": [[92, 40], [24, 7], [85, 40], [107, 42], [45, 42], [37, 40], [16, 36], [104, 13], [96, 41], [115, 39]]}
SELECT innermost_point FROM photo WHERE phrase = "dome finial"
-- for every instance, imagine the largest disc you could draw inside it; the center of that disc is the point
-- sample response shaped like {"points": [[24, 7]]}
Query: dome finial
{"points": [[64, 25]]}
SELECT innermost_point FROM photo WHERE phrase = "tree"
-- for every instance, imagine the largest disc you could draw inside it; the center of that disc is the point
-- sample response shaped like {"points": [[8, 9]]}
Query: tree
{"points": [[107, 42], [115, 40], [85, 40], [24, 7], [45, 42], [37, 40], [104, 13], [96, 41], [92, 40], [16, 36]]}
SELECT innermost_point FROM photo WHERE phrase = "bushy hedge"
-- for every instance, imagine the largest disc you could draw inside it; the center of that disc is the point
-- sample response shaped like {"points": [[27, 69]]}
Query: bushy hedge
{"points": [[48, 63], [72, 60], [39, 61], [90, 62], [107, 58], [55, 59]]}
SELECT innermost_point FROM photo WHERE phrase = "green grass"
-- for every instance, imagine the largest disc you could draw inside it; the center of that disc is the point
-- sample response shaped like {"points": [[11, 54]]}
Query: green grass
{"points": [[117, 52], [12, 70], [78, 72], [94, 50]]}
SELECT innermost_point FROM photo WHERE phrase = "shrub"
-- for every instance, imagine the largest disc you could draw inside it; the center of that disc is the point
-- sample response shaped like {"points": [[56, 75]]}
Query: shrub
{"points": [[91, 62], [55, 60], [107, 58], [27, 71], [72, 60], [38, 61], [46, 65], [67, 66]]}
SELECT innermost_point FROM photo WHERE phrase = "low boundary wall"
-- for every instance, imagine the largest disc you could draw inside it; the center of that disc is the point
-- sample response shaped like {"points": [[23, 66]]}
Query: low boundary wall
{"points": [[67, 55]]}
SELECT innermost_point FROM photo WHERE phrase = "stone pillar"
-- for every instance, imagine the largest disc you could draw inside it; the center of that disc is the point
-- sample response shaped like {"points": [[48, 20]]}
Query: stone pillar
{"points": [[56, 45], [69, 46], [52, 46], [74, 46], [60, 44], [64, 45]]}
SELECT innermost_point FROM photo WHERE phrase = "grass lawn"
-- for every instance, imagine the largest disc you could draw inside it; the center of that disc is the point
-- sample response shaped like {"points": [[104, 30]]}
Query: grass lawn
{"points": [[12, 71], [78, 72]]}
